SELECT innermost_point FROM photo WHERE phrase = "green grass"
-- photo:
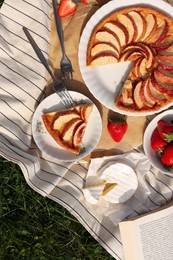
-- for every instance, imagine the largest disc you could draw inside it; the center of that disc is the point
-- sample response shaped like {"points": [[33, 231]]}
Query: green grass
{"points": [[34, 227]]}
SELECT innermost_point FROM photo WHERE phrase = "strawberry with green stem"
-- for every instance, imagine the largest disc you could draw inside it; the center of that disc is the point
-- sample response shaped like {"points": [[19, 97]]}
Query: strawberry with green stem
{"points": [[165, 130], [167, 157], [66, 7], [157, 143], [117, 128]]}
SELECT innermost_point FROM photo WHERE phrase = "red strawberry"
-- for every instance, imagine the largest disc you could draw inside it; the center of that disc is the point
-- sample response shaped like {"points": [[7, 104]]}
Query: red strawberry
{"points": [[90, 2], [66, 7], [167, 156], [117, 128], [165, 130], [157, 143]]}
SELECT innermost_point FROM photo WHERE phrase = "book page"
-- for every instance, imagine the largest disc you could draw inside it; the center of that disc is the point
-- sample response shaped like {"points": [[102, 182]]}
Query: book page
{"points": [[149, 237]]}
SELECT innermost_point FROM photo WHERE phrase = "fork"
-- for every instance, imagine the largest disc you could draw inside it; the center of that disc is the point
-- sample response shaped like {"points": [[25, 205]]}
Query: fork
{"points": [[65, 64], [58, 85]]}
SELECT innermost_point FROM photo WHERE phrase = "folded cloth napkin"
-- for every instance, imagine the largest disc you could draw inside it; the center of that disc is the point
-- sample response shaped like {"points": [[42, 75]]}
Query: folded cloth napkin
{"points": [[23, 86]]}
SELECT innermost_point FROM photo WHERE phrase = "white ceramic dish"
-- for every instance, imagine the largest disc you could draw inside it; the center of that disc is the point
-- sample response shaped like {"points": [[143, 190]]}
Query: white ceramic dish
{"points": [[154, 160], [48, 145], [105, 81]]}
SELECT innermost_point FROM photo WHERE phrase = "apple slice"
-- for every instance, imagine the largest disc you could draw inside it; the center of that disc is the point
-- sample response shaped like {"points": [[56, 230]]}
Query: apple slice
{"points": [[140, 24], [135, 68], [62, 118], [151, 25], [164, 88], [103, 59], [119, 30], [162, 31], [137, 95], [130, 55], [135, 51], [164, 55], [142, 71], [108, 37], [159, 35], [168, 51], [134, 48], [70, 129], [150, 56], [151, 63], [128, 23], [166, 43], [154, 93], [104, 47], [78, 135], [146, 95], [168, 73], [165, 65], [163, 77]]}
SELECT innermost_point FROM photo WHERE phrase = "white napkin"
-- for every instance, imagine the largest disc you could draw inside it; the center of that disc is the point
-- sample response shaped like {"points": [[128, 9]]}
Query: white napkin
{"points": [[127, 171]]}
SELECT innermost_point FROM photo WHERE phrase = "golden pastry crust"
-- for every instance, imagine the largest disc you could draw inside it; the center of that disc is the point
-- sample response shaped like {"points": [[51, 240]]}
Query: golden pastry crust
{"points": [[147, 41]]}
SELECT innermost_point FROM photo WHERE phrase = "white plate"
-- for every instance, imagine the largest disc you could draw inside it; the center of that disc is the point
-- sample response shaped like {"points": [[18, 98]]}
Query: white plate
{"points": [[154, 160], [104, 81], [48, 145]]}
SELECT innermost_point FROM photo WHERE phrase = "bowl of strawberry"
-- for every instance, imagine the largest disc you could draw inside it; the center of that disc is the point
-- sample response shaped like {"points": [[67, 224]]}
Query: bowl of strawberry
{"points": [[158, 142]]}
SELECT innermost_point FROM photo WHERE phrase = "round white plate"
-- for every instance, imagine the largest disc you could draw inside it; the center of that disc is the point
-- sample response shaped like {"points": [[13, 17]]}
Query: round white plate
{"points": [[154, 160], [124, 176], [48, 145], [105, 81]]}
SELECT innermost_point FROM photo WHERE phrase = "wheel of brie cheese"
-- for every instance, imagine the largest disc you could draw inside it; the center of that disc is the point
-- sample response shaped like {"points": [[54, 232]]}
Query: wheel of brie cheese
{"points": [[123, 176], [143, 35]]}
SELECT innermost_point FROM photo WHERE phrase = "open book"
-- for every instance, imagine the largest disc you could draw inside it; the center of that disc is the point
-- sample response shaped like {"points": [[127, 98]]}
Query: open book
{"points": [[150, 236]]}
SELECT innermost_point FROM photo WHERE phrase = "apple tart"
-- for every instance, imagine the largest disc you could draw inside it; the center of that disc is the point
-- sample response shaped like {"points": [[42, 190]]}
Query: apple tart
{"points": [[144, 36], [67, 127]]}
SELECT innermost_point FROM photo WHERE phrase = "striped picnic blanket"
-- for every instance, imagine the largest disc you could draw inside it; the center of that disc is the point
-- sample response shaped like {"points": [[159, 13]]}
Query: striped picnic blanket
{"points": [[22, 87]]}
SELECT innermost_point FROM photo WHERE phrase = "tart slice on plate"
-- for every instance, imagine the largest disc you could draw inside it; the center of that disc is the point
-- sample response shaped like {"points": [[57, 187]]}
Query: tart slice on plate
{"points": [[67, 126]]}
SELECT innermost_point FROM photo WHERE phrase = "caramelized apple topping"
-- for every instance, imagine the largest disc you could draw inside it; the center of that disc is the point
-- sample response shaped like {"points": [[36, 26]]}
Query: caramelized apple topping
{"points": [[142, 35]]}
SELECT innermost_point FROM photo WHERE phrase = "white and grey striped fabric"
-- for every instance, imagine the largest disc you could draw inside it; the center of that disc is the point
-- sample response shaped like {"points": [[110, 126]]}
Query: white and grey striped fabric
{"points": [[22, 87]]}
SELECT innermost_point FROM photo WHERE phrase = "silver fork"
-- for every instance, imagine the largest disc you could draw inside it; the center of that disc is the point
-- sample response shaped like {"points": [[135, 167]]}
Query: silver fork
{"points": [[58, 85], [65, 64]]}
